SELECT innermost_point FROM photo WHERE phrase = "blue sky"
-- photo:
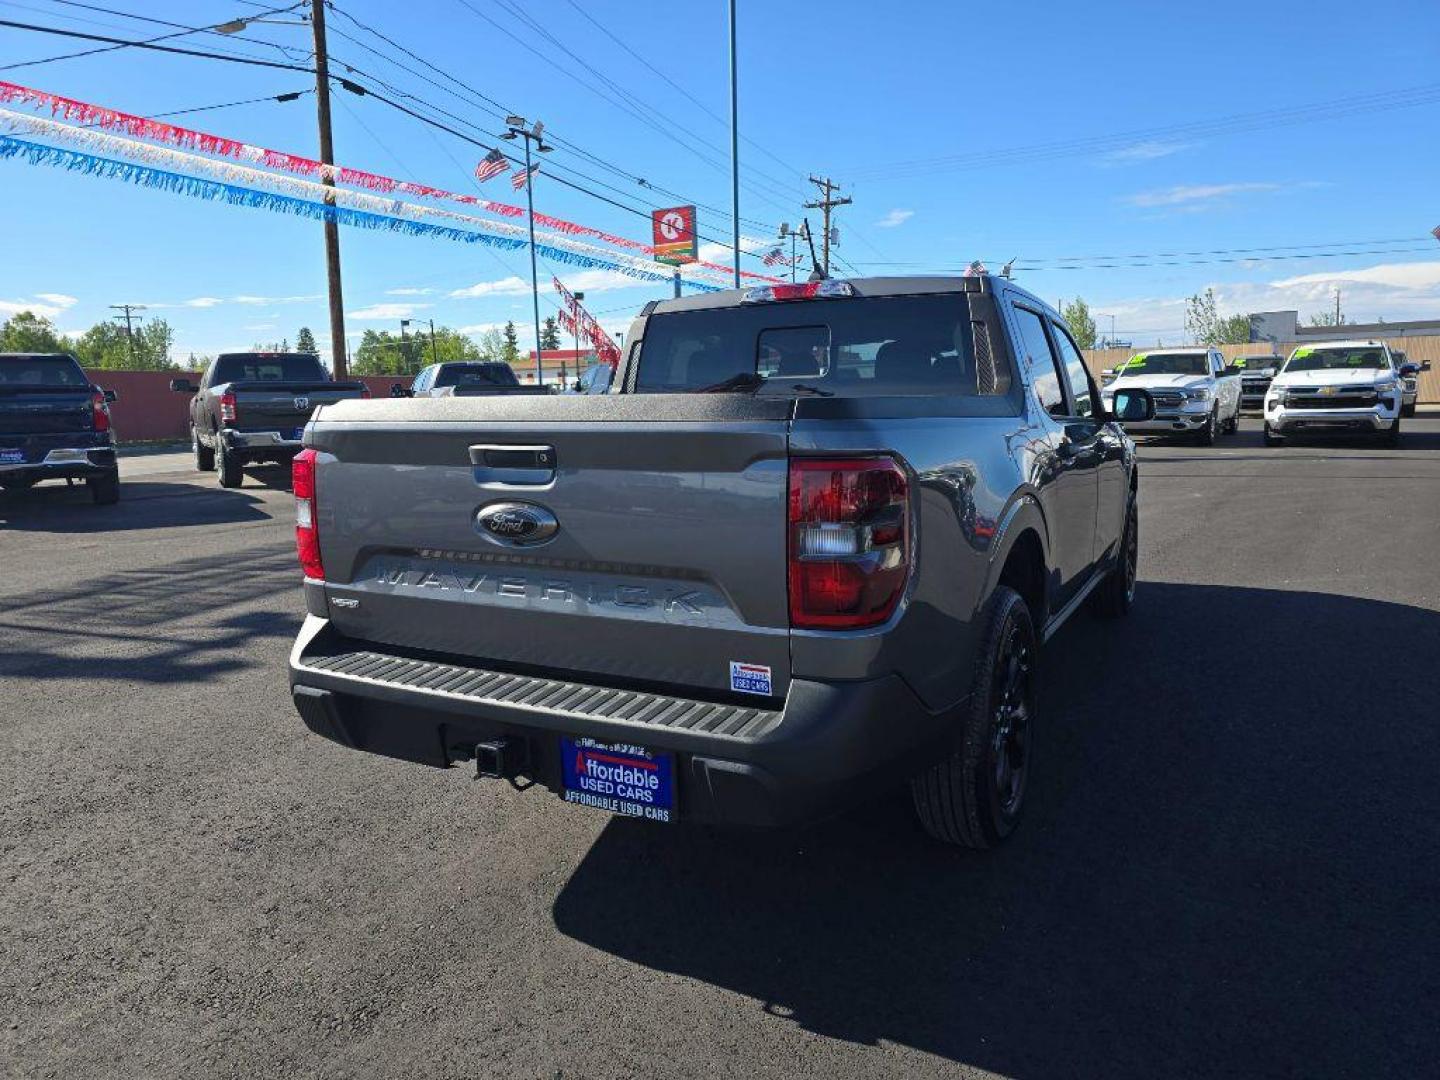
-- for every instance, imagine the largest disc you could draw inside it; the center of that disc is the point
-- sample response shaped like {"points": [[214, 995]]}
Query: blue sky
{"points": [[916, 109]]}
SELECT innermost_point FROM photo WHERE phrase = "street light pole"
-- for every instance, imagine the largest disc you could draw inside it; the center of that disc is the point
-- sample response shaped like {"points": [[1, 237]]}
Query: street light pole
{"points": [[517, 130], [332, 229], [575, 326], [734, 147]]}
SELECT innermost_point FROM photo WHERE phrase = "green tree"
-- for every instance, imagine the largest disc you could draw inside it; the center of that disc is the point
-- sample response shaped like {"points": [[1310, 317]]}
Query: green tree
{"points": [[492, 345], [1082, 324], [305, 341], [511, 351], [1206, 326], [550, 334], [1328, 318], [383, 353], [106, 346], [27, 332]]}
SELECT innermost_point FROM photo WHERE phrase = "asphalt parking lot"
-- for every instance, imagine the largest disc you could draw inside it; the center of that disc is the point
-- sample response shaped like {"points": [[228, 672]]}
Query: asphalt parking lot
{"points": [[1230, 867]]}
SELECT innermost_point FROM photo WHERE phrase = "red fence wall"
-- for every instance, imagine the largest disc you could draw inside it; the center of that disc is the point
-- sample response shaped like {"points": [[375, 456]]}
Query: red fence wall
{"points": [[146, 409]]}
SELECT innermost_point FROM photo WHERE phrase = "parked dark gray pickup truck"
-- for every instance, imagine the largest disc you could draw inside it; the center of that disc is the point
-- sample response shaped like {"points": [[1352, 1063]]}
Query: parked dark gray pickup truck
{"points": [[55, 424], [250, 409], [808, 549]]}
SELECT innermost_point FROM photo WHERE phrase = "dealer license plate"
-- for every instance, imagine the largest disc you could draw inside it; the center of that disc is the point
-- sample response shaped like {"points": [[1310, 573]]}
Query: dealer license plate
{"points": [[12, 457], [623, 779]]}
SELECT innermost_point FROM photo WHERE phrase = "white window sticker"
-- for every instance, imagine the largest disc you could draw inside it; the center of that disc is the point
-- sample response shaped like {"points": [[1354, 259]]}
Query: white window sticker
{"points": [[749, 678]]}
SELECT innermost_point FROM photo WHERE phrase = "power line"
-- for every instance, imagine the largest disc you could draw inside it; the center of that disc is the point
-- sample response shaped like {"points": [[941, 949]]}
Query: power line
{"points": [[150, 45], [499, 110], [286, 49], [1118, 265]]}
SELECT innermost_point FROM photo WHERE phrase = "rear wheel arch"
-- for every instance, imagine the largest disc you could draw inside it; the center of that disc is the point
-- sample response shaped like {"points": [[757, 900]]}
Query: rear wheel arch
{"points": [[1024, 569]]}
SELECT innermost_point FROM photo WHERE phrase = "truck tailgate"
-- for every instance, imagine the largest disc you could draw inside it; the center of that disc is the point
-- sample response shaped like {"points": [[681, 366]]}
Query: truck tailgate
{"points": [[284, 407], [667, 564], [35, 411]]}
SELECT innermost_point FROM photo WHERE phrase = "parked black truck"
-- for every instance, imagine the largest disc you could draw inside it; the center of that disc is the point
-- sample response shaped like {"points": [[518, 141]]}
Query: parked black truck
{"points": [[250, 408], [55, 424]]}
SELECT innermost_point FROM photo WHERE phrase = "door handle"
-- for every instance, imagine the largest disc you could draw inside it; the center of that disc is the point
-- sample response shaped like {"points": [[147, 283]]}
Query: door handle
{"points": [[499, 463]]}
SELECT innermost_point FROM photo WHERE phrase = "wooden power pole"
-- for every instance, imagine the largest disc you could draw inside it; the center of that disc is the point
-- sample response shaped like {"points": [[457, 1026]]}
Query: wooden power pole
{"points": [[825, 204], [338, 359]]}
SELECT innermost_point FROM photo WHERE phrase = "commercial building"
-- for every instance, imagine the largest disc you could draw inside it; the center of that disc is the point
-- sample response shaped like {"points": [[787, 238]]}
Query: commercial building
{"points": [[1285, 326]]}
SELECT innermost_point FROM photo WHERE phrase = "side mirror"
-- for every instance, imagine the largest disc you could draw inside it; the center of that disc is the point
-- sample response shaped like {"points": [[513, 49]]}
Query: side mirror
{"points": [[1408, 369], [110, 397], [1133, 406], [182, 386]]}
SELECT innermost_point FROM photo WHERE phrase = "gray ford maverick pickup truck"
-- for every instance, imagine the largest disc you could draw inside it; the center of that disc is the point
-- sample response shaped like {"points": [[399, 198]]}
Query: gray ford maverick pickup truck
{"points": [[808, 548]]}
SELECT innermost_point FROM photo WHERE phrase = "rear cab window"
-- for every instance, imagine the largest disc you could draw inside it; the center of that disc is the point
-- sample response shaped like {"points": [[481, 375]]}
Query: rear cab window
{"points": [[879, 346], [267, 367], [41, 372]]}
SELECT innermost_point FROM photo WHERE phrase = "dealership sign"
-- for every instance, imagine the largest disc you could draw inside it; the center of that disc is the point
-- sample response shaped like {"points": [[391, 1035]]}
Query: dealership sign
{"points": [[675, 235]]}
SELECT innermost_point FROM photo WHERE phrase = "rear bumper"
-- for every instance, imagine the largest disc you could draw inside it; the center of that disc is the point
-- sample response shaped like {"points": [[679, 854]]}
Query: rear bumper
{"points": [[830, 746], [61, 462], [260, 444]]}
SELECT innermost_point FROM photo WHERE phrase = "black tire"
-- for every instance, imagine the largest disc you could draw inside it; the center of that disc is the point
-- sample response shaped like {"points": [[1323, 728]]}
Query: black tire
{"points": [[1272, 439], [1408, 410], [105, 490], [974, 797], [1234, 425], [24, 484], [204, 455], [227, 466], [1115, 596], [1206, 435]]}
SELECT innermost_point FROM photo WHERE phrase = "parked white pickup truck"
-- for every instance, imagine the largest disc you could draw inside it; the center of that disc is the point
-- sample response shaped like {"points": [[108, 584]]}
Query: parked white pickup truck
{"points": [[1195, 392], [1341, 387]]}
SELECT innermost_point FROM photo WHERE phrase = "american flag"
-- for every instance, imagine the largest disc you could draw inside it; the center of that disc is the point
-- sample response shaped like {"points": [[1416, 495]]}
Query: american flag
{"points": [[520, 176], [774, 257], [492, 164]]}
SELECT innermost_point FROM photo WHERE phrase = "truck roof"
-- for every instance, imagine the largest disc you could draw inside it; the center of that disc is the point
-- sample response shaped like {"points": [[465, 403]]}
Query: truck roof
{"points": [[863, 286], [1356, 343]]}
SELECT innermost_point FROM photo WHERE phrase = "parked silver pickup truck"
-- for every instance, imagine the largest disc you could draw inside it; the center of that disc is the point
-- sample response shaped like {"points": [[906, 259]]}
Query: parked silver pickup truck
{"points": [[807, 549]]}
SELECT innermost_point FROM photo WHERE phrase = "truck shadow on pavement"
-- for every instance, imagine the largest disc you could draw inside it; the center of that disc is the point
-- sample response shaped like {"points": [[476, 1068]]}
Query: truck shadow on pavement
{"points": [[54, 508], [1229, 866], [149, 627]]}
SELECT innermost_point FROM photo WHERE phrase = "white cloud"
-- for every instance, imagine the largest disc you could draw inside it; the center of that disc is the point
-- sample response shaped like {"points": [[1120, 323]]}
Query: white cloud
{"points": [[408, 290], [203, 302], [1144, 151], [480, 328], [276, 299], [1182, 194], [259, 326], [1393, 291], [44, 305], [894, 218], [510, 286], [380, 312]]}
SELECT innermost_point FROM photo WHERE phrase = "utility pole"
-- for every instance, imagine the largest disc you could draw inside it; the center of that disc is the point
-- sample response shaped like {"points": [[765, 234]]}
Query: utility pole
{"points": [[1337, 305], [405, 347], [338, 359], [575, 326], [734, 146], [129, 330], [825, 204], [434, 354], [517, 130]]}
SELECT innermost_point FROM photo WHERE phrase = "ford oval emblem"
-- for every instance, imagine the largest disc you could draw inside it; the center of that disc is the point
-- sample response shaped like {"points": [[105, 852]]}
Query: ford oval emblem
{"points": [[516, 524]]}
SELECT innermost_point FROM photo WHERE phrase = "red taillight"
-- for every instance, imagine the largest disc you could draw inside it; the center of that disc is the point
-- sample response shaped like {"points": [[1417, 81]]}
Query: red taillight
{"points": [[229, 411], [849, 541], [307, 531], [100, 411]]}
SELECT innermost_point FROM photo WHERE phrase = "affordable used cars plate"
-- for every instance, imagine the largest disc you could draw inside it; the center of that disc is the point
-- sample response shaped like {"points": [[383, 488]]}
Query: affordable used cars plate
{"points": [[622, 779]]}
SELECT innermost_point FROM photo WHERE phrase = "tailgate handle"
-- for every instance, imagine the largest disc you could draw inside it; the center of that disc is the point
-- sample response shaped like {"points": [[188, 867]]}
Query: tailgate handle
{"points": [[510, 464]]}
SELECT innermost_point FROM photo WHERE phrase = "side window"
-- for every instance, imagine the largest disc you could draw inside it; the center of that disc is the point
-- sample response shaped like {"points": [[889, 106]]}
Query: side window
{"points": [[1075, 374], [1040, 361], [419, 385]]}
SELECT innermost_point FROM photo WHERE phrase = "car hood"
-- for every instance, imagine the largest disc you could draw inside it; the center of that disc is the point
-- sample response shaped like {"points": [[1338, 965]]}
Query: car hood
{"points": [[1258, 373], [1159, 382], [1359, 377]]}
